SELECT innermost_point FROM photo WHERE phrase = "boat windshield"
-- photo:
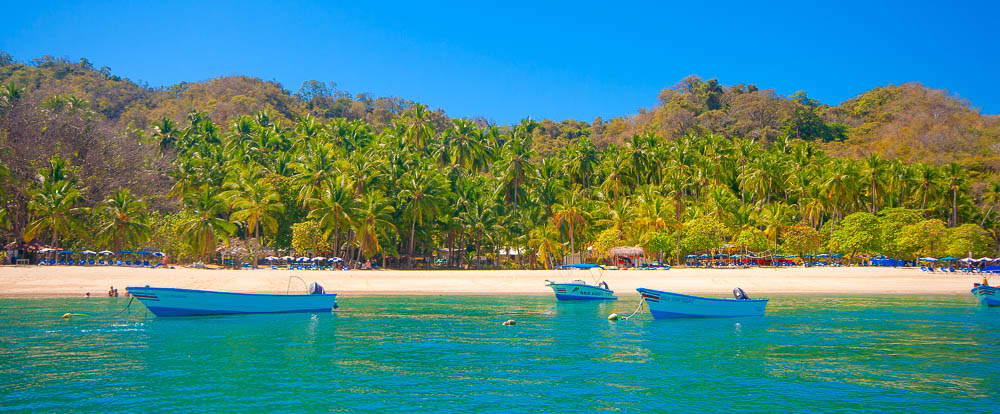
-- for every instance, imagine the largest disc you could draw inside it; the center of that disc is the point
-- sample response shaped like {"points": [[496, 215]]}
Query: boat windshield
{"points": [[594, 271]]}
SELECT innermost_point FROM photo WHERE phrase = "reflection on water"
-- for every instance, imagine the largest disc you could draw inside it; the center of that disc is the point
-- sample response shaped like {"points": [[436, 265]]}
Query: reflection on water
{"points": [[444, 353]]}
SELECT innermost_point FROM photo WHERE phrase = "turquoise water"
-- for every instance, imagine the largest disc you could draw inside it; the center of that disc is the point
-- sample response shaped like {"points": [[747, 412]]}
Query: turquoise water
{"points": [[434, 353]]}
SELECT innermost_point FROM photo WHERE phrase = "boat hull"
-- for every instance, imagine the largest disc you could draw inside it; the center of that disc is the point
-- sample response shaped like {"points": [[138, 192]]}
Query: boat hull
{"points": [[188, 302], [987, 295], [665, 305], [576, 291]]}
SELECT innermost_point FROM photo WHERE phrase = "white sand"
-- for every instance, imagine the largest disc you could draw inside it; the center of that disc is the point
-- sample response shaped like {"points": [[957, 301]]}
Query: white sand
{"points": [[61, 281]]}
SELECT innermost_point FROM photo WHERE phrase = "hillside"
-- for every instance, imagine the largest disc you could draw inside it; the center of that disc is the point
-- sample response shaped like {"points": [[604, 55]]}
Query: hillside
{"points": [[90, 159], [909, 121]]}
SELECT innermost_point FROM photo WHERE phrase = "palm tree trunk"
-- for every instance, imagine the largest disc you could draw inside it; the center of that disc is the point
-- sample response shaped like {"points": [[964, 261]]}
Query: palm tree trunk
{"points": [[256, 243], [413, 232], [954, 206]]}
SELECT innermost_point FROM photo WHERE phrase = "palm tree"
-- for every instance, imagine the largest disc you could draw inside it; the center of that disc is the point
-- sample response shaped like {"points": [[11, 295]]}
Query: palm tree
{"points": [[54, 208], [205, 227], [124, 224], [572, 211], [955, 179], [166, 133], [422, 193], [774, 216], [10, 93], [927, 178], [332, 209], [544, 240], [465, 145], [255, 203], [480, 219], [875, 168], [373, 224], [419, 129], [316, 165], [677, 182], [515, 165]]}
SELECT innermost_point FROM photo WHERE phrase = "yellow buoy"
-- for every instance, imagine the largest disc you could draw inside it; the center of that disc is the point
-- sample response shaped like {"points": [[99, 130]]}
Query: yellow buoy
{"points": [[510, 322], [613, 317], [67, 315]]}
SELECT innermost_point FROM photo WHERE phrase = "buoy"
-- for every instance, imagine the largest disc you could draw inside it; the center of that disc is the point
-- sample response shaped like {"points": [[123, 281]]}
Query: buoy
{"points": [[613, 317], [67, 315], [510, 322]]}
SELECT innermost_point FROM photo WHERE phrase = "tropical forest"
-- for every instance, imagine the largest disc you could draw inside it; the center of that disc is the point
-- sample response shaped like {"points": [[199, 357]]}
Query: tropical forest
{"points": [[93, 160]]}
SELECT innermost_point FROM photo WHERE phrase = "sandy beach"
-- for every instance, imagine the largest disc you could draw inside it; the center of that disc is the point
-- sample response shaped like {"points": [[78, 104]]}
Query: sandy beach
{"points": [[64, 281]]}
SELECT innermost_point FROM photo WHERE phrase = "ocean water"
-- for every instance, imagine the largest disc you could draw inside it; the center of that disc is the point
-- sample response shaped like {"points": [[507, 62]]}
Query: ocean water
{"points": [[450, 354]]}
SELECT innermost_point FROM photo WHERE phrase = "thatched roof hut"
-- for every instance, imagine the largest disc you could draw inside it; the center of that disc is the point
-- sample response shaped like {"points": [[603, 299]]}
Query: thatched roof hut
{"points": [[626, 251]]}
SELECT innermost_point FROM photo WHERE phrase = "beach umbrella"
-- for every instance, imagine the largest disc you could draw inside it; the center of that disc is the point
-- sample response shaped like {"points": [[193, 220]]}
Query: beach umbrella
{"points": [[143, 252], [88, 252], [968, 260], [269, 258], [949, 258], [703, 256], [46, 250], [287, 258], [124, 252], [690, 256], [318, 258], [158, 254], [928, 259], [302, 259], [66, 252], [105, 252]]}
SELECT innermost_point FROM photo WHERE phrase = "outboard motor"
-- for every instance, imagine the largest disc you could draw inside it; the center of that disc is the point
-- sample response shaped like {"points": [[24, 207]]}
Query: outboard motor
{"points": [[316, 289], [740, 294]]}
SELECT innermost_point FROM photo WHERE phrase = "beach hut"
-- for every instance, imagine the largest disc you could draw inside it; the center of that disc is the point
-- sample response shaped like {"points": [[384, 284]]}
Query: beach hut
{"points": [[625, 254]]}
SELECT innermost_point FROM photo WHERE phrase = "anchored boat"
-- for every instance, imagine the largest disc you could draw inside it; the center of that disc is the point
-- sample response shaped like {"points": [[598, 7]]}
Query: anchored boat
{"points": [[579, 289], [675, 305], [987, 295], [190, 302]]}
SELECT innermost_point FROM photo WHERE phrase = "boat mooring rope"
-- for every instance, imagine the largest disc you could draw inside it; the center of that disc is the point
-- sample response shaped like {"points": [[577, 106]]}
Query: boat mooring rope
{"points": [[642, 301], [129, 304], [615, 317]]}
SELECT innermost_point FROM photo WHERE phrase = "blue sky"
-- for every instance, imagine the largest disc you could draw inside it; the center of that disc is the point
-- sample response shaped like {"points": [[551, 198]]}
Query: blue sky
{"points": [[511, 60]]}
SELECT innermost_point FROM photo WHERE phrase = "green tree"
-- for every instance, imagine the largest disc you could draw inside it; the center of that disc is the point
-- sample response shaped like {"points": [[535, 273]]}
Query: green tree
{"points": [[204, 227], [752, 239], [572, 211], [800, 239], [255, 203], [859, 233], [422, 192], [307, 236], [54, 207], [967, 240], [124, 218], [373, 224], [926, 238], [544, 239]]}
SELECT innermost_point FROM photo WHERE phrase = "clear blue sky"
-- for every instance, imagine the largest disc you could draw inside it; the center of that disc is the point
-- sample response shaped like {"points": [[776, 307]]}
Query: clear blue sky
{"points": [[507, 60]]}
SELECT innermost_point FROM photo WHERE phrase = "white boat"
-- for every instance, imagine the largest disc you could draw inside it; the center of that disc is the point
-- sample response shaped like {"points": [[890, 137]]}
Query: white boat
{"points": [[580, 289], [664, 305], [189, 302]]}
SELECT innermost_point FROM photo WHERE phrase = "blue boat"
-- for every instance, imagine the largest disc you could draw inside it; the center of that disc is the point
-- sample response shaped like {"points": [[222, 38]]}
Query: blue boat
{"points": [[189, 302], [987, 295], [579, 289], [664, 305]]}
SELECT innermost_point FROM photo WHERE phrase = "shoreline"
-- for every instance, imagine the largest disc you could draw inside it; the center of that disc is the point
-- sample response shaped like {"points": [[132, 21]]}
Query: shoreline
{"points": [[76, 281]]}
